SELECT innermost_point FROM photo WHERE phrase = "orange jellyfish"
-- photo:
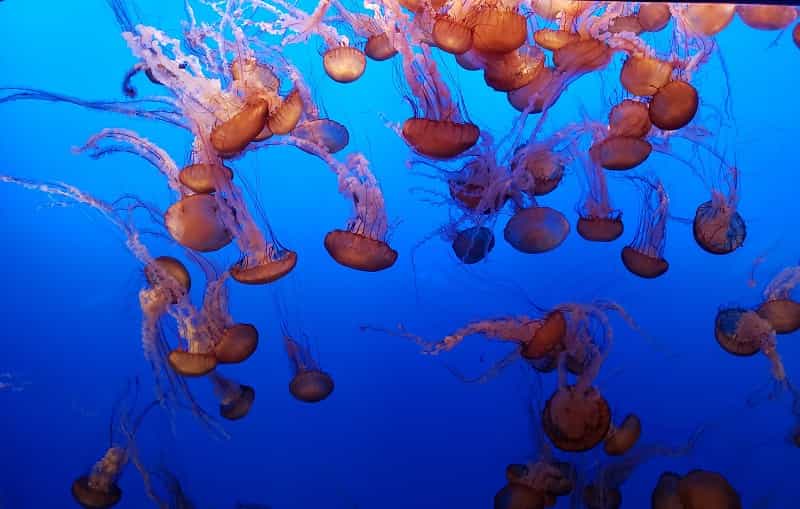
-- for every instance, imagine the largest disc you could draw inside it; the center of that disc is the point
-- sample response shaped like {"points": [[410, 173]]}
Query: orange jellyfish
{"points": [[598, 220], [536, 229], [497, 28], [376, 29], [534, 485], [622, 438], [644, 256], [235, 400], [674, 105], [767, 17], [653, 17], [644, 75], [452, 30], [665, 494], [309, 383], [717, 227], [704, 489], [742, 332], [778, 307], [575, 418], [482, 186], [511, 71], [796, 35], [704, 20]]}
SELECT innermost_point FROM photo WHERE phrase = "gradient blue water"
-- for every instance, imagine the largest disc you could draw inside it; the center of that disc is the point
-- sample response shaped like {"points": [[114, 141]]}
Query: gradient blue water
{"points": [[399, 431]]}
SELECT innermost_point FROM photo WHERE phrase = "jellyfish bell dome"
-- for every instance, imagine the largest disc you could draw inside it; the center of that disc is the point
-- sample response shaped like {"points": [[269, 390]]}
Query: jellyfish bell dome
{"points": [[703, 489], [359, 251], [553, 40], [536, 230], [473, 244], [597, 496], [240, 406], [92, 498], [324, 132], [621, 439], [643, 265], [542, 166], [237, 344], [284, 117], [230, 137], [674, 105], [576, 420], [582, 56], [782, 314], [379, 47], [440, 139], [344, 64], [620, 153], [497, 29], [263, 270], [665, 494], [630, 119], [201, 177], [172, 267], [767, 17], [311, 386], [709, 19], [451, 35], [542, 91], [194, 222], [643, 75], [518, 496], [548, 338], [713, 235], [726, 327], [653, 17], [192, 364], [600, 229], [629, 23]]}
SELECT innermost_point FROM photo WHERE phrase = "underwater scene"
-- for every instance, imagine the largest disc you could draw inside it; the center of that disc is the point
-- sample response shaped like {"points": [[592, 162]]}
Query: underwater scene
{"points": [[295, 254]]}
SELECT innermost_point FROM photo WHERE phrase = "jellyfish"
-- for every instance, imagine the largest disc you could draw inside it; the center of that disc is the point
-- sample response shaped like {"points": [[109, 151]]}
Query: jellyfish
{"points": [[536, 229], [598, 220], [665, 494], [621, 438], [576, 419], [674, 105], [376, 29], [644, 256], [718, 228], [653, 17], [515, 70], [452, 29], [767, 17], [537, 168], [705, 19], [778, 307], [498, 27], [235, 399], [796, 35], [700, 489], [744, 333]]}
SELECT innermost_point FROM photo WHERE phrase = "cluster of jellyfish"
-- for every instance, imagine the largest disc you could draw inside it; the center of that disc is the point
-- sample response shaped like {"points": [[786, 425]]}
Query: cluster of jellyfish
{"points": [[230, 86]]}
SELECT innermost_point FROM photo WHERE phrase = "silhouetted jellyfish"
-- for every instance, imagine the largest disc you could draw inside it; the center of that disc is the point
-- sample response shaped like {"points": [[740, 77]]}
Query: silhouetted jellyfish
{"points": [[471, 245], [235, 400], [778, 308], [598, 220], [653, 17], [514, 70], [674, 105], [622, 438], [767, 17], [452, 31], [537, 482], [644, 256], [536, 229], [665, 494], [575, 418], [704, 489], [518, 496], [717, 227]]}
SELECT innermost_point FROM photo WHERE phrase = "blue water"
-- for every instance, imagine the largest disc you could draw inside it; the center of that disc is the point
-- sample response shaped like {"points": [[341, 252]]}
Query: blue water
{"points": [[399, 431]]}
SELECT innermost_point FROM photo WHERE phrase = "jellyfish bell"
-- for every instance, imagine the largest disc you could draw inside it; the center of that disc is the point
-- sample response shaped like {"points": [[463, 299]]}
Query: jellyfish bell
{"points": [[576, 420], [451, 35], [767, 17], [708, 19], [311, 386], [642, 264], [440, 139], [622, 438], [620, 153], [239, 406], [237, 344], [201, 177], [473, 244], [582, 56], [515, 472], [513, 70], [358, 251], [518, 496], [653, 17], [665, 494], [498, 29], [172, 267], [230, 137], [629, 119], [536, 230], [644, 76], [344, 64], [379, 47], [553, 40], [284, 117], [629, 23], [726, 332], [600, 229], [191, 364], [597, 496], [91, 497], [548, 338], [703, 489], [417, 5], [323, 132], [540, 93], [544, 168], [717, 231], [782, 314], [194, 222], [674, 105], [264, 268]]}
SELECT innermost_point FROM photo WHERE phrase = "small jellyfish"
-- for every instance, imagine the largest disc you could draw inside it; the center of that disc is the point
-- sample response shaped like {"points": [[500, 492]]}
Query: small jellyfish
{"points": [[376, 29], [653, 17], [235, 400], [644, 256], [704, 489], [622, 438], [717, 227], [726, 325], [536, 229], [542, 166], [576, 419], [674, 105], [471, 245]]}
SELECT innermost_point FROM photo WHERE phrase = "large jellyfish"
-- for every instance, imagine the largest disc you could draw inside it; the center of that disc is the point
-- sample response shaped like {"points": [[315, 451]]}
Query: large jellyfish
{"points": [[644, 256]]}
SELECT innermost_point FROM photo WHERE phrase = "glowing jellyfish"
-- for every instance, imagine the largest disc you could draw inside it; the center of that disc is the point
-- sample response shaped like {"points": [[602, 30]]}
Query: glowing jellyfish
{"points": [[576, 419], [653, 17], [536, 229], [235, 400], [309, 383], [644, 256], [497, 28], [704, 489], [644, 76], [473, 244], [717, 227], [778, 307], [767, 17], [622, 438], [674, 105]]}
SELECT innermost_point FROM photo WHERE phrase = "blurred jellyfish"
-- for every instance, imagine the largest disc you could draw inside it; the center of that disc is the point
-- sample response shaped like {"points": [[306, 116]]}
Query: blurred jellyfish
{"points": [[782, 312], [644, 256], [718, 228], [697, 489], [796, 35], [767, 17], [622, 438], [235, 400], [12, 383]]}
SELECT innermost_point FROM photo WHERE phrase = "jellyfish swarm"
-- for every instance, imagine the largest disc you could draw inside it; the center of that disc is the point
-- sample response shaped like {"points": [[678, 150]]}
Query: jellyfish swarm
{"points": [[309, 383], [377, 30], [718, 228], [697, 489], [235, 400], [644, 256], [778, 307]]}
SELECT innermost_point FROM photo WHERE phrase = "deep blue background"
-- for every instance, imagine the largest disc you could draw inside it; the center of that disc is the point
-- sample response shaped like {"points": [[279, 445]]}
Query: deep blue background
{"points": [[399, 431]]}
